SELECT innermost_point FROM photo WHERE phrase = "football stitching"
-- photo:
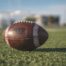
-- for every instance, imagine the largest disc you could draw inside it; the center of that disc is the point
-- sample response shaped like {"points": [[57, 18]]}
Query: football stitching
{"points": [[20, 21]]}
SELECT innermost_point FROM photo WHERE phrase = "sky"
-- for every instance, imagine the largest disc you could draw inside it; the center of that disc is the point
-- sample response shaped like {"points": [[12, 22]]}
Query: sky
{"points": [[10, 5], [56, 7]]}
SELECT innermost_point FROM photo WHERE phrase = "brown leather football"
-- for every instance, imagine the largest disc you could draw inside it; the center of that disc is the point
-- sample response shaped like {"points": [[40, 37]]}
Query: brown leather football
{"points": [[25, 36]]}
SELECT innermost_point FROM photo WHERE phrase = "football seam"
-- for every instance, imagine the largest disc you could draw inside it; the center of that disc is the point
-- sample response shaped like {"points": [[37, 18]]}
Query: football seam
{"points": [[20, 21]]}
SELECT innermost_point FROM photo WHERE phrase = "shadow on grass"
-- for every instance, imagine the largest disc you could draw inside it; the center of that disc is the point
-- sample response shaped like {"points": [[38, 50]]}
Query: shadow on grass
{"points": [[51, 50]]}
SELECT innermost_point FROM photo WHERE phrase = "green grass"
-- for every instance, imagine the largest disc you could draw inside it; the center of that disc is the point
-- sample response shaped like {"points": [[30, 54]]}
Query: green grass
{"points": [[40, 57]]}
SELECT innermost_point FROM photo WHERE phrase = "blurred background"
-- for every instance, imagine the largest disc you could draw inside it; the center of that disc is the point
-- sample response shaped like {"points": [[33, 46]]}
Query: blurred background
{"points": [[50, 13]]}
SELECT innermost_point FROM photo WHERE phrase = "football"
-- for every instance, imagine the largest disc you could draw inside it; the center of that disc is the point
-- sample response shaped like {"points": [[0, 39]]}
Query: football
{"points": [[25, 35]]}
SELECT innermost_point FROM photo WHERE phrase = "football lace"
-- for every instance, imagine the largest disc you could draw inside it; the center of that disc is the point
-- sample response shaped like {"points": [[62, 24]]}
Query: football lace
{"points": [[20, 21]]}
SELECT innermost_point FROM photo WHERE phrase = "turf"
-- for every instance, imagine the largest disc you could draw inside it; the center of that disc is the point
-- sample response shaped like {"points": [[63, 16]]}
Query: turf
{"points": [[51, 53]]}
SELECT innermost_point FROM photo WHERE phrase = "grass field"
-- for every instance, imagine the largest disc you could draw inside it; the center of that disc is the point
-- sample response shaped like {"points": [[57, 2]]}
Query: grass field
{"points": [[52, 53]]}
